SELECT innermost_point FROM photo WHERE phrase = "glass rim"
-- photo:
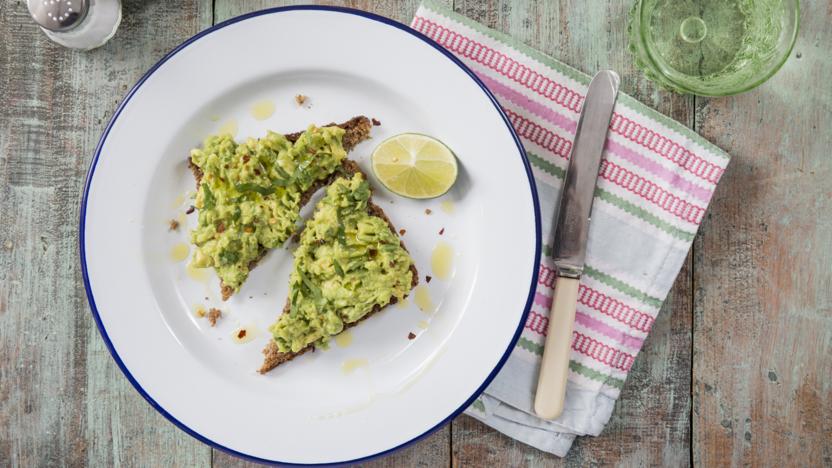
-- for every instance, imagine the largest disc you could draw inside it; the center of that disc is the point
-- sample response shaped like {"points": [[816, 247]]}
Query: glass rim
{"points": [[668, 74]]}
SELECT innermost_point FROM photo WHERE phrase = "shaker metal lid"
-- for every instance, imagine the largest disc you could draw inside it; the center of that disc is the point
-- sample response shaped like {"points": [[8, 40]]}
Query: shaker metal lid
{"points": [[58, 15]]}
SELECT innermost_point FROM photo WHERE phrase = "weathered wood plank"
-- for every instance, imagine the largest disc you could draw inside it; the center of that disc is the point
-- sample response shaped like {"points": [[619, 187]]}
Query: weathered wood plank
{"points": [[651, 420], [762, 360], [435, 449], [763, 329], [62, 399]]}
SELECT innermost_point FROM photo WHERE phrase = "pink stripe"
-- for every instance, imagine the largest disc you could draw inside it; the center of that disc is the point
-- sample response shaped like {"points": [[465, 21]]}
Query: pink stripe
{"points": [[568, 98], [601, 327], [668, 175], [651, 192], [534, 107], [587, 345], [602, 352], [540, 136], [529, 104], [542, 300], [610, 171], [537, 323], [599, 301], [546, 276]]}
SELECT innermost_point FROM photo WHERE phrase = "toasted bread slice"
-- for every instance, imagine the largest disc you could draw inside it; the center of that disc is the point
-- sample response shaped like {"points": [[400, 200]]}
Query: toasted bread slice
{"points": [[357, 129], [273, 357]]}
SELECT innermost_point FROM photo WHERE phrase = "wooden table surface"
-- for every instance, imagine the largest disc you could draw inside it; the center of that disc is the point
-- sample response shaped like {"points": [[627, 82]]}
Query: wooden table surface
{"points": [[737, 369]]}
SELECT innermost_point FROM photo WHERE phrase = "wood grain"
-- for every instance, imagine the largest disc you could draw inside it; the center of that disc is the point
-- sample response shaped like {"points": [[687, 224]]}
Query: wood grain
{"points": [[750, 312], [762, 381], [62, 399]]}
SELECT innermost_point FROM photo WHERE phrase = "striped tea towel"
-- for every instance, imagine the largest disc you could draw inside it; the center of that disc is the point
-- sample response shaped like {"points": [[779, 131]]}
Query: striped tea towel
{"points": [[654, 185]]}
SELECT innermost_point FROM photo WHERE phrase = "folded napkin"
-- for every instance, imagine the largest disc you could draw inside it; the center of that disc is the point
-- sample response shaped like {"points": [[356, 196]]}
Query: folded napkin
{"points": [[655, 182]]}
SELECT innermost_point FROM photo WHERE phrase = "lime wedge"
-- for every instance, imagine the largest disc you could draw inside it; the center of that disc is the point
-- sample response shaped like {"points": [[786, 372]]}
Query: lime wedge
{"points": [[415, 166]]}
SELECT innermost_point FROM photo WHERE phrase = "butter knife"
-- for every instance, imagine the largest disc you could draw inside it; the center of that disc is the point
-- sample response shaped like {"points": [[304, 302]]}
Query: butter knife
{"points": [[569, 247]]}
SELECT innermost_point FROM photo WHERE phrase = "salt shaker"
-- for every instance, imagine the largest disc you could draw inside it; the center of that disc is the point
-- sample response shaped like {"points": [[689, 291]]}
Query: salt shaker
{"points": [[77, 24]]}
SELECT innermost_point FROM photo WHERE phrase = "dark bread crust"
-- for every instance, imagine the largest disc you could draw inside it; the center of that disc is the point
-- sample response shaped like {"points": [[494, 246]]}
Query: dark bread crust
{"points": [[357, 129], [272, 355]]}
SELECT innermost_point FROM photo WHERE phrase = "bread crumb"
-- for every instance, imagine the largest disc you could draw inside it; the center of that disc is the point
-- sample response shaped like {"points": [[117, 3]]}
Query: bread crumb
{"points": [[411, 336], [173, 225], [300, 99], [428, 211], [241, 334], [376, 122], [428, 278], [402, 232], [214, 315]]}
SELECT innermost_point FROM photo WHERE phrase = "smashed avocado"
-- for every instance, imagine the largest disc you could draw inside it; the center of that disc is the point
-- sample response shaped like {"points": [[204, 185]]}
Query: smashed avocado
{"points": [[249, 197], [348, 261]]}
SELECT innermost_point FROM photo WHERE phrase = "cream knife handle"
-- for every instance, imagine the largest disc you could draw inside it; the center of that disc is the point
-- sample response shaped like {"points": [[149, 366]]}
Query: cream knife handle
{"points": [[551, 385]]}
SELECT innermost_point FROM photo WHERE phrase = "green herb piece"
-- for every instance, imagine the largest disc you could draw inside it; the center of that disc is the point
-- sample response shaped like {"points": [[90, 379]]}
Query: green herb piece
{"points": [[342, 235], [314, 290], [338, 268], [229, 257], [208, 200], [250, 187], [282, 173]]}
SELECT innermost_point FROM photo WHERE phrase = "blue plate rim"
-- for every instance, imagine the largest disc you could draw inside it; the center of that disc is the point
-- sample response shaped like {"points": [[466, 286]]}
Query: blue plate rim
{"points": [[91, 171]]}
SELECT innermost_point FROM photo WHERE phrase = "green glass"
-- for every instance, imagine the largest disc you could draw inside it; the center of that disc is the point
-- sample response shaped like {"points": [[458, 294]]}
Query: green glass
{"points": [[712, 47]]}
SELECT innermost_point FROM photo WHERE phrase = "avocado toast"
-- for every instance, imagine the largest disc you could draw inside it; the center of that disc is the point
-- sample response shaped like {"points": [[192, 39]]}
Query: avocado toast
{"points": [[249, 195], [350, 264]]}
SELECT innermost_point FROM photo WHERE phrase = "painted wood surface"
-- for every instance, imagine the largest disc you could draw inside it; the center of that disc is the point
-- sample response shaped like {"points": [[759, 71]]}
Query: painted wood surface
{"points": [[736, 370], [63, 401], [762, 367]]}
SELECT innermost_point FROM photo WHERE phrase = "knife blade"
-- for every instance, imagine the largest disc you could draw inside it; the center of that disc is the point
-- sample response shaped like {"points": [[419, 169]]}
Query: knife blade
{"points": [[569, 243], [569, 247]]}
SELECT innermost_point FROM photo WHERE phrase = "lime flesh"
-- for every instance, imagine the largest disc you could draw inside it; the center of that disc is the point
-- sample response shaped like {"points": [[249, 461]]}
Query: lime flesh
{"points": [[415, 166]]}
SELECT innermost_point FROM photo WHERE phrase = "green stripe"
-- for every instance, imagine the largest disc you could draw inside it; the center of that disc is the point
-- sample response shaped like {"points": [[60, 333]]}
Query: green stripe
{"points": [[576, 367], [614, 282], [575, 74], [593, 374], [545, 165], [530, 346], [613, 199], [622, 286], [478, 405], [645, 215]]}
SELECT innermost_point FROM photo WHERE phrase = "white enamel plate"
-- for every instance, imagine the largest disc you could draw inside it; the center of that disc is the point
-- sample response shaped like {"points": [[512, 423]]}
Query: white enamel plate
{"points": [[407, 370]]}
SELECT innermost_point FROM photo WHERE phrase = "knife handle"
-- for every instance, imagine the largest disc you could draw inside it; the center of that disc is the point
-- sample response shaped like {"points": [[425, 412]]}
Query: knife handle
{"points": [[554, 368]]}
